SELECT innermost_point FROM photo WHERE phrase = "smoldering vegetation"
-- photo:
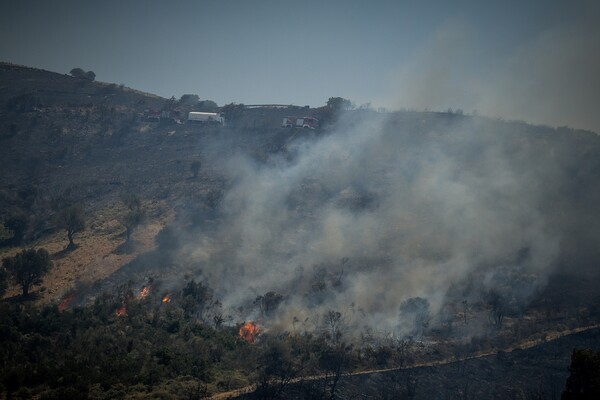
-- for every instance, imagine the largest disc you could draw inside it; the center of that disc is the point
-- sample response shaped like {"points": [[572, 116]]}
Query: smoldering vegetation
{"points": [[396, 223]]}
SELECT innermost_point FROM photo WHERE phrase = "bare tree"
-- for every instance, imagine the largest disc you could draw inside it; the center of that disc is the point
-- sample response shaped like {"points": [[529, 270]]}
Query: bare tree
{"points": [[332, 321], [496, 308], [134, 217]]}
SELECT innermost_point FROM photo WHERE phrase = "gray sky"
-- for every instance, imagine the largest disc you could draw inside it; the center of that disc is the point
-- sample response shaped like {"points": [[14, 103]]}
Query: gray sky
{"points": [[531, 60]]}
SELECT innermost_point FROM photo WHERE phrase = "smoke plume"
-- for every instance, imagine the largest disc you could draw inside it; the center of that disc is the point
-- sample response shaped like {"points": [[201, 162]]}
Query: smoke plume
{"points": [[382, 210], [551, 78]]}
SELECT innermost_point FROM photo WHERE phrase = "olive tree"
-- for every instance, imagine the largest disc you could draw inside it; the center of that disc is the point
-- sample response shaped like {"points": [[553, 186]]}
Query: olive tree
{"points": [[90, 75], [28, 267], [81, 74], [77, 72], [339, 104], [135, 214], [72, 219]]}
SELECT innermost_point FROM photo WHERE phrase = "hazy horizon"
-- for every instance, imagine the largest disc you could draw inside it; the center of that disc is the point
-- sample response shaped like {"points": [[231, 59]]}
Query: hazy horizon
{"points": [[535, 60]]}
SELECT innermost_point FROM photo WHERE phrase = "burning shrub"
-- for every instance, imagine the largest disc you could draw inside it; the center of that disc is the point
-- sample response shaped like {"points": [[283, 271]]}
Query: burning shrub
{"points": [[249, 331], [122, 311], [66, 301]]}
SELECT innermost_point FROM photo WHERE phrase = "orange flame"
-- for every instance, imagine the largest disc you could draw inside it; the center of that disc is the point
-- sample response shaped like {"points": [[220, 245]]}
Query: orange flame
{"points": [[66, 301], [167, 298], [122, 311], [249, 331], [144, 292]]}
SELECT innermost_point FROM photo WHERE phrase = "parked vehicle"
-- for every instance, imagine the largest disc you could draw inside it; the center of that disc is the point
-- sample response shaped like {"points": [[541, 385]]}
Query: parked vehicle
{"points": [[206, 118], [151, 115], [300, 122]]}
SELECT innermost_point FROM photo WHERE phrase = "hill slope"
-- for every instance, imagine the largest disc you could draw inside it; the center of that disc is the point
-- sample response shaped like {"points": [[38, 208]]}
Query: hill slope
{"points": [[461, 232]]}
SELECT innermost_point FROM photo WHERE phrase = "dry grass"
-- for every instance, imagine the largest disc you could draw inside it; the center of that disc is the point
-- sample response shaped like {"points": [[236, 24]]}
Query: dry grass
{"points": [[96, 256]]}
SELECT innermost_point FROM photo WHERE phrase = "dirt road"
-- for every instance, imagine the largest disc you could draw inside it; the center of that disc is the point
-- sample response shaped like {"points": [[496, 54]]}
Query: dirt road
{"points": [[526, 344]]}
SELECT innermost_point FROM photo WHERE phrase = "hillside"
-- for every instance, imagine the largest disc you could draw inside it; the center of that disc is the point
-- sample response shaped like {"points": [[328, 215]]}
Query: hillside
{"points": [[450, 232], [46, 88], [72, 141]]}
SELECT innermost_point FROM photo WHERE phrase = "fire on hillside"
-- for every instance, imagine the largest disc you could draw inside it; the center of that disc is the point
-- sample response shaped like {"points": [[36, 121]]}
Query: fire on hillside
{"points": [[144, 292], [66, 301], [249, 331], [122, 311]]}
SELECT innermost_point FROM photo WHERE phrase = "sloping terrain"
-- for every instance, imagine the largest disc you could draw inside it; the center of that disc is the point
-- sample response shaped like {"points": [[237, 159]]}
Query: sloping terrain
{"points": [[526, 370], [68, 141], [537, 372], [458, 234], [71, 141], [23, 87]]}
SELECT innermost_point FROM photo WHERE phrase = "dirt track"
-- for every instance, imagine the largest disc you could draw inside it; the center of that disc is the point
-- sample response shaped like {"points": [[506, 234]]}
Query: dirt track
{"points": [[526, 344]]}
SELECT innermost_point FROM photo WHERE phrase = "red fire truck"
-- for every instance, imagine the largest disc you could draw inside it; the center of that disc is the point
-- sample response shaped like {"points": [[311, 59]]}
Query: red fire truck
{"points": [[300, 122]]}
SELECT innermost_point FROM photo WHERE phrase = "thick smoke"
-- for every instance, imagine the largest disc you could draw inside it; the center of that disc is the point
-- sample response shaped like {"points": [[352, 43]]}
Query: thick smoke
{"points": [[550, 78], [380, 211]]}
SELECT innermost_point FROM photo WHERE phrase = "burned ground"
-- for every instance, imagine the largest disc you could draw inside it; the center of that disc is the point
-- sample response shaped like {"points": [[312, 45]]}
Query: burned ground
{"points": [[540, 372]]}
